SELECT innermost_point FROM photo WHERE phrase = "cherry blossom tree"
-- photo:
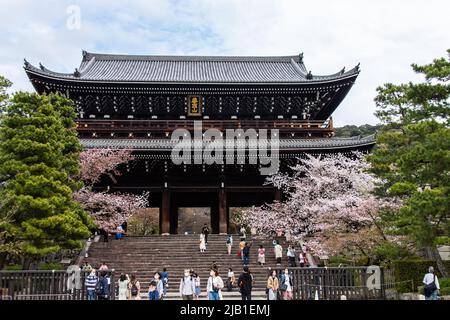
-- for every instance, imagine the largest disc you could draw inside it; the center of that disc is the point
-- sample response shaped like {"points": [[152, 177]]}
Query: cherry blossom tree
{"points": [[329, 205], [108, 209], [97, 162]]}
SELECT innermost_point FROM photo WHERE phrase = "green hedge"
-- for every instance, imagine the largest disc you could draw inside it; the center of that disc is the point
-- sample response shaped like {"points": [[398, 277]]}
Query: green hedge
{"points": [[413, 270], [51, 266]]}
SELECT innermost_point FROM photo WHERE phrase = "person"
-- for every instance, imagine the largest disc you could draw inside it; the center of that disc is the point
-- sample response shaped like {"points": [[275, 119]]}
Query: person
{"points": [[214, 285], [153, 293], [103, 267], [165, 279], [119, 233], [198, 290], [102, 287], [205, 232], [187, 286], [242, 233], [301, 259], [291, 256], [135, 288], [246, 254], [278, 252], [214, 266], [272, 285], [431, 282], [286, 285], [245, 283], [202, 243], [229, 243], [241, 248], [261, 255], [90, 284], [125, 227], [231, 279], [104, 234], [124, 286], [159, 285], [86, 267]]}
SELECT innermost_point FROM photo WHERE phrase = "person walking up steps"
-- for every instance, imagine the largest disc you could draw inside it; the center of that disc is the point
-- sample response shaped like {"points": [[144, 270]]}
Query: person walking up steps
{"points": [[291, 257], [245, 283], [187, 286], [202, 243], [278, 252], [205, 231], [246, 253], [229, 243]]}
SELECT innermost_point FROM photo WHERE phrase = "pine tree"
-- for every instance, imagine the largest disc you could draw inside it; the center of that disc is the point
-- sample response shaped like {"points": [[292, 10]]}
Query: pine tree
{"points": [[39, 160], [412, 155]]}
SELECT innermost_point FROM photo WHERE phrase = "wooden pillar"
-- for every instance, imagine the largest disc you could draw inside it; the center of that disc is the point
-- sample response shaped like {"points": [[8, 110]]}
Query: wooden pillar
{"points": [[277, 196], [223, 222], [165, 212]]}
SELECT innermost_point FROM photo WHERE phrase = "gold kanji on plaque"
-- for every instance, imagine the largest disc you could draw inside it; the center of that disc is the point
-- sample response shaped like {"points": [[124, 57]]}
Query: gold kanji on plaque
{"points": [[194, 106]]}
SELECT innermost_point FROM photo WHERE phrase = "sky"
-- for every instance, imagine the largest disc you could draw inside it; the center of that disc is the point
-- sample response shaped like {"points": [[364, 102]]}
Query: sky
{"points": [[384, 36]]}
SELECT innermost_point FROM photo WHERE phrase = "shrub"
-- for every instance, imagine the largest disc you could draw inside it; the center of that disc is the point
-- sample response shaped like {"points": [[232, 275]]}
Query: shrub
{"points": [[51, 266], [414, 270], [14, 267]]}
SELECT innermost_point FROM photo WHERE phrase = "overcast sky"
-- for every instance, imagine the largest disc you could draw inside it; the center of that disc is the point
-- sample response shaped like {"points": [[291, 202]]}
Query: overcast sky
{"points": [[384, 36]]}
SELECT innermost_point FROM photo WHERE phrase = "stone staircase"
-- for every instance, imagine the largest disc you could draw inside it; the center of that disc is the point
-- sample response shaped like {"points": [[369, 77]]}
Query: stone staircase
{"points": [[145, 255]]}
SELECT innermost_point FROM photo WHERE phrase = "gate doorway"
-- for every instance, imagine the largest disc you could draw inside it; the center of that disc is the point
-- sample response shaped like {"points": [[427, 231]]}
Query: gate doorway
{"points": [[191, 220]]}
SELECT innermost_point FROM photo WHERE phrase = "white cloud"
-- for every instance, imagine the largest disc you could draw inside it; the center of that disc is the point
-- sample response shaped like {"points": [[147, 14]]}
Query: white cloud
{"points": [[385, 36]]}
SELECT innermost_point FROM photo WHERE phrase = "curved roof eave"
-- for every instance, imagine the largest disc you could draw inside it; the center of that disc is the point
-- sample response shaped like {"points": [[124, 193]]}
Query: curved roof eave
{"points": [[71, 78]]}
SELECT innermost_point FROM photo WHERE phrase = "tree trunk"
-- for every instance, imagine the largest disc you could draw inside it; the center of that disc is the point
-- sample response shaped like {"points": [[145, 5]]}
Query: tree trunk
{"points": [[432, 253]]}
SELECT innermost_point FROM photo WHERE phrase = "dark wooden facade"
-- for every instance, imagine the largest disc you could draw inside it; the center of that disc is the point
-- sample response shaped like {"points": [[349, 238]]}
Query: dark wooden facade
{"points": [[135, 102]]}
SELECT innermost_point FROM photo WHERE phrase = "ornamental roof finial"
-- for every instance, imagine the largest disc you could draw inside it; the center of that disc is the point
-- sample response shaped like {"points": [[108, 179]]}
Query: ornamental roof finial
{"points": [[41, 66], [84, 52], [357, 66], [309, 76], [25, 62], [300, 57], [343, 70], [76, 73]]}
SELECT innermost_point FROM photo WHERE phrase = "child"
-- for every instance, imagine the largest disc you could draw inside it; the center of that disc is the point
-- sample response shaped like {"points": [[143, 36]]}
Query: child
{"points": [[153, 294]]}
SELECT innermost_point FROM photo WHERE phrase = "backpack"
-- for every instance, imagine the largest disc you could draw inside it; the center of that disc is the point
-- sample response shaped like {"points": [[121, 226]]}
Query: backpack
{"points": [[134, 290], [99, 287], [228, 240], [430, 288]]}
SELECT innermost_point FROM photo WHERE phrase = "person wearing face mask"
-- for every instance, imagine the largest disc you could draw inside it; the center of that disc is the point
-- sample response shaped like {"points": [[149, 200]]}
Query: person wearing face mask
{"points": [[159, 285], [214, 286], [286, 285], [187, 286]]}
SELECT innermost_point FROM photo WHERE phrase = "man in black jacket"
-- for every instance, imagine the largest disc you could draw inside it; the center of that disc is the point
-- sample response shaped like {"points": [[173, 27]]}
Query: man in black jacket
{"points": [[245, 283]]}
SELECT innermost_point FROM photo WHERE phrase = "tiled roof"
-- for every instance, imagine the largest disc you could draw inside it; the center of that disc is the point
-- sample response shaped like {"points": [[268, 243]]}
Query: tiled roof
{"points": [[284, 144], [191, 69]]}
